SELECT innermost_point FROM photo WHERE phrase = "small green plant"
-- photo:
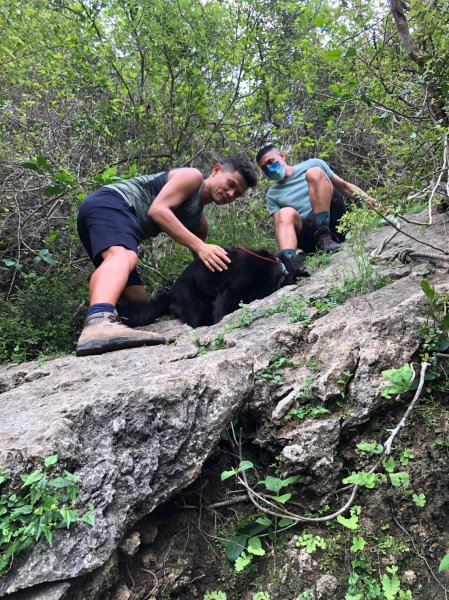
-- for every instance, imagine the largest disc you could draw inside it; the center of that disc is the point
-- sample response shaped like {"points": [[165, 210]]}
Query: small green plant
{"points": [[419, 500], [436, 330], [217, 595], [243, 466], [306, 595], [311, 542], [406, 456], [219, 342], [353, 521], [363, 478], [316, 261], [245, 317], [370, 447], [343, 382], [273, 372], [297, 310], [305, 391], [46, 503], [201, 348], [261, 596], [400, 381], [306, 412], [358, 544], [275, 484], [243, 547], [245, 544], [391, 585]]}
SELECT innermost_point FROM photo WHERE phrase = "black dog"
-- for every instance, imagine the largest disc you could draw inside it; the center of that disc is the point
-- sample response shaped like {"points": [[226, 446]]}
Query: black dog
{"points": [[202, 297]]}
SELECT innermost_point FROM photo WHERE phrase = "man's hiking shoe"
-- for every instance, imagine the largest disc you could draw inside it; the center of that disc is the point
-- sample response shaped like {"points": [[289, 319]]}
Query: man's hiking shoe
{"points": [[103, 332], [325, 240]]}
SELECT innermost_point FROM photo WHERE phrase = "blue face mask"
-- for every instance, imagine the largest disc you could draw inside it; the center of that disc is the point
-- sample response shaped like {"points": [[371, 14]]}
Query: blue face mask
{"points": [[275, 172]]}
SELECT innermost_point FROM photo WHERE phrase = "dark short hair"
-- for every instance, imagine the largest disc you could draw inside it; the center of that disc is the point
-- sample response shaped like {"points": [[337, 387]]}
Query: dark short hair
{"points": [[243, 166], [263, 151]]}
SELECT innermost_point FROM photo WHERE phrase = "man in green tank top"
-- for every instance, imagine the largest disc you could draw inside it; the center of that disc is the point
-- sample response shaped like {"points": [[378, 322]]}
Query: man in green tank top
{"points": [[116, 218], [304, 203]]}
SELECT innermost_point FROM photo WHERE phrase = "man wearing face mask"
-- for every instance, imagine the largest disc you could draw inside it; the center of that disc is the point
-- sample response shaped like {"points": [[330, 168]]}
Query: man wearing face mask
{"points": [[305, 202]]}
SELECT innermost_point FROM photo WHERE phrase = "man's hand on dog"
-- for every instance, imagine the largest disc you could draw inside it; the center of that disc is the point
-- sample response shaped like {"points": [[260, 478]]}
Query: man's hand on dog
{"points": [[214, 257]]}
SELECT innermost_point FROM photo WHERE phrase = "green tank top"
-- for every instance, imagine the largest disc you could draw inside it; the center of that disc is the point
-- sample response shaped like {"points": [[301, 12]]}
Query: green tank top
{"points": [[140, 192]]}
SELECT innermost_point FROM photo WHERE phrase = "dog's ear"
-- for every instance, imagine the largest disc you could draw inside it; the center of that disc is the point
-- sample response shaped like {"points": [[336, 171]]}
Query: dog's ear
{"points": [[295, 265]]}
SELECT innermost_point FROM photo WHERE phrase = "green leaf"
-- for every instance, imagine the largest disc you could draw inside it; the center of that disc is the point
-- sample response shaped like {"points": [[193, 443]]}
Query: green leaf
{"points": [[242, 562], [235, 547], [444, 564], [419, 500], [51, 460], [352, 522], [400, 479], [68, 516], [390, 586], [48, 534], [428, 289], [333, 54], [282, 499], [53, 190], [401, 380], [25, 509], [89, 518], [227, 474], [255, 546], [285, 522], [58, 482], [389, 464], [245, 465], [274, 484], [399, 376], [311, 542], [42, 162], [368, 480], [445, 323], [358, 543], [31, 166], [34, 477], [371, 447]]}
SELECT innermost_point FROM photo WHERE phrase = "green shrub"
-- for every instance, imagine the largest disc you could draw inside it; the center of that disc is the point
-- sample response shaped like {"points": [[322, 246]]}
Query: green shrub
{"points": [[46, 501], [43, 316]]}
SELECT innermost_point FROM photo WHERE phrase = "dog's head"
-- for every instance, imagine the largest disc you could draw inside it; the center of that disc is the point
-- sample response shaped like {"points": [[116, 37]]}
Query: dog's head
{"points": [[294, 267]]}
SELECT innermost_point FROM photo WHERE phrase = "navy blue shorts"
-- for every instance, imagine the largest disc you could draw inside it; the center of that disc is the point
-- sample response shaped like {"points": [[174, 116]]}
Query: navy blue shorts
{"points": [[105, 219]]}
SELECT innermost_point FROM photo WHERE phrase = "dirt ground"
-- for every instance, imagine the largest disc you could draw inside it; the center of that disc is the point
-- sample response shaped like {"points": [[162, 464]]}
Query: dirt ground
{"points": [[187, 557]]}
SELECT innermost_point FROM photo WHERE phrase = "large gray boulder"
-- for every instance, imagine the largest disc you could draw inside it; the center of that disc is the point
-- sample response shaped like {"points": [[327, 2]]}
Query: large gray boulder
{"points": [[137, 425]]}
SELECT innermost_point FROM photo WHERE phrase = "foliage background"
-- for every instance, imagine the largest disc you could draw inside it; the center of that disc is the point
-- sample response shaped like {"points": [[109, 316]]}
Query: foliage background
{"points": [[90, 91]]}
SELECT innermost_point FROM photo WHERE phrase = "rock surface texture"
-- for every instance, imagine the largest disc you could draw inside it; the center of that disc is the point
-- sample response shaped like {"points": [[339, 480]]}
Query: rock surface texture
{"points": [[137, 425]]}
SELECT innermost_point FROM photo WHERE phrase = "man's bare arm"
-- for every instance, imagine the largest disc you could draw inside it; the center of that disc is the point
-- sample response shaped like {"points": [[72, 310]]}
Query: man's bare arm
{"points": [[182, 185], [350, 190]]}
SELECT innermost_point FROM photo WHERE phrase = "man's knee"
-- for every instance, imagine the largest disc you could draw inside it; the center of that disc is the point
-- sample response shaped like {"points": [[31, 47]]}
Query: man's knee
{"points": [[316, 176], [287, 216], [122, 254]]}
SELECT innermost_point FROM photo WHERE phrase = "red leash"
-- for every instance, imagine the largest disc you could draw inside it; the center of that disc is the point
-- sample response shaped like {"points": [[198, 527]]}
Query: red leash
{"points": [[258, 255]]}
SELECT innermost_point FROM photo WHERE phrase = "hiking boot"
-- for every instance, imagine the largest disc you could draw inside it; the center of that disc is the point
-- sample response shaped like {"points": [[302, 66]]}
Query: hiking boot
{"points": [[103, 332], [325, 240]]}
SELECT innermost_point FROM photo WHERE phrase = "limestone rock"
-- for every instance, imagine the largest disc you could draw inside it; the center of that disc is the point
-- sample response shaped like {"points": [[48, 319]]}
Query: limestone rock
{"points": [[137, 425]]}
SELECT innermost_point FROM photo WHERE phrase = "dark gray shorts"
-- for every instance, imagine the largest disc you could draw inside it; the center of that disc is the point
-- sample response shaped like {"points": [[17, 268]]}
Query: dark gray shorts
{"points": [[337, 210], [105, 219]]}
